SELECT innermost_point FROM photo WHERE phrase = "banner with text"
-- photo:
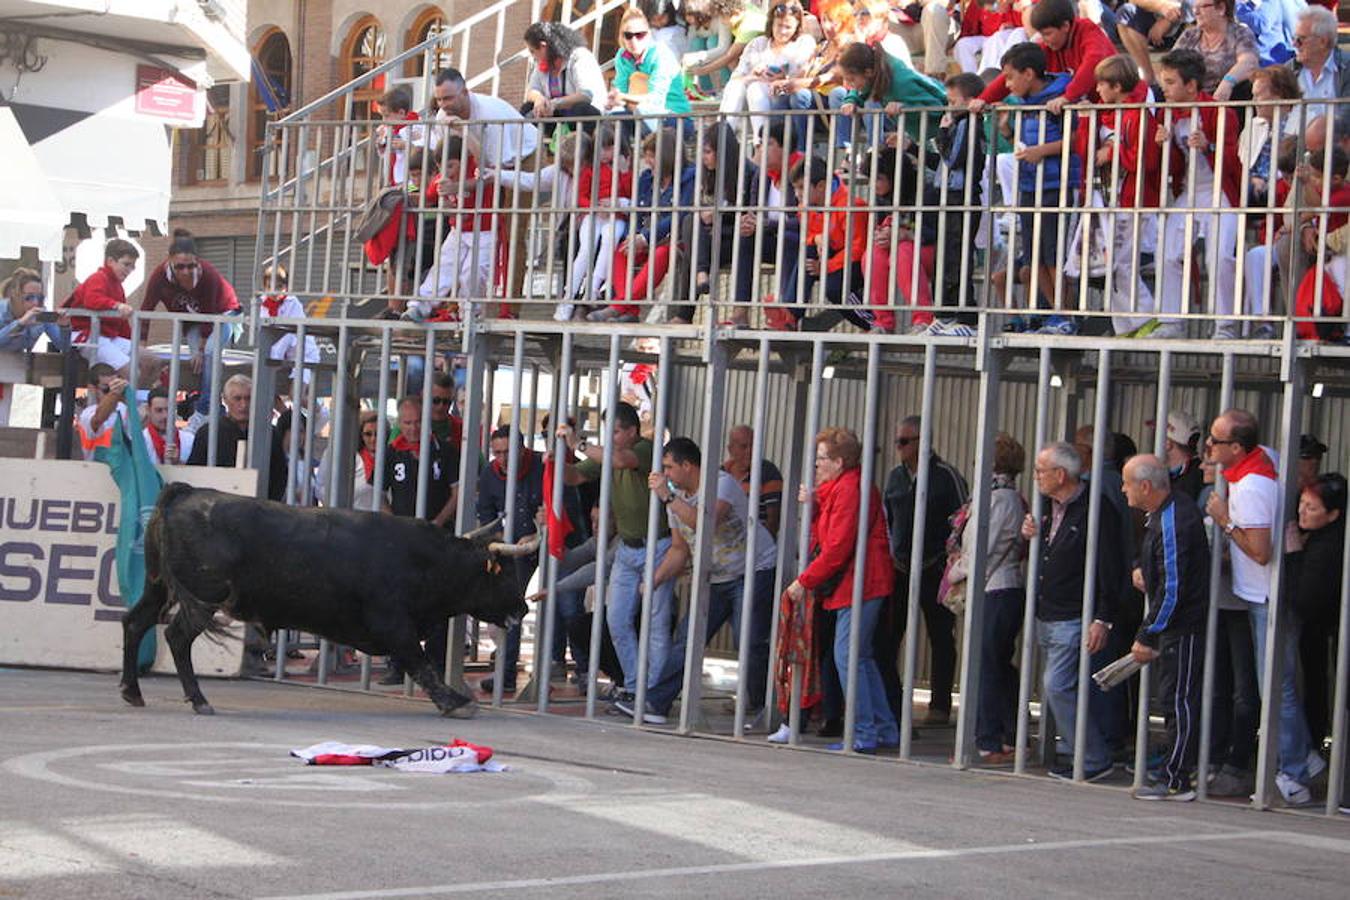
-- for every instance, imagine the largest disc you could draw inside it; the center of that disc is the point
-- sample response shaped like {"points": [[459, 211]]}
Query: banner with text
{"points": [[59, 600]]}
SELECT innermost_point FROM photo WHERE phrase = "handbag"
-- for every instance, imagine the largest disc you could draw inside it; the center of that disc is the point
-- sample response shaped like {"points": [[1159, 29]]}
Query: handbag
{"points": [[827, 587]]}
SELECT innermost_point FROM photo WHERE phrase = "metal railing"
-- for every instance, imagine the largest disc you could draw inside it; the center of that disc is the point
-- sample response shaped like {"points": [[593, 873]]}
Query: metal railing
{"points": [[945, 224]]}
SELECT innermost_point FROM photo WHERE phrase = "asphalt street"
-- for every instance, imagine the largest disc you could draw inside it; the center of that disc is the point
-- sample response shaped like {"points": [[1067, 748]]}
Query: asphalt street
{"points": [[101, 800]]}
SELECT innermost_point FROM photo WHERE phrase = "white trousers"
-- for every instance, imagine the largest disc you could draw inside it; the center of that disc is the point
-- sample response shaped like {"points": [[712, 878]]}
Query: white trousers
{"points": [[112, 351], [605, 229], [740, 94], [465, 270], [1125, 272], [1220, 233]]}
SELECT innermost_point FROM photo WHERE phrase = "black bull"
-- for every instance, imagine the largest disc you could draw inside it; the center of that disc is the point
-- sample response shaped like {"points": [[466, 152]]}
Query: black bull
{"points": [[376, 582]]}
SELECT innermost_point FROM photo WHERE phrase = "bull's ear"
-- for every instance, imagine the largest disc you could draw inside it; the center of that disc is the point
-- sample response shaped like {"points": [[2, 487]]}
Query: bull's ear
{"points": [[485, 534]]}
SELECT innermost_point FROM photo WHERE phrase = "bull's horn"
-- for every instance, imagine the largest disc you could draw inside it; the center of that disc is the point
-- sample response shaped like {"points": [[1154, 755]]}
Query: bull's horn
{"points": [[525, 547], [483, 529]]}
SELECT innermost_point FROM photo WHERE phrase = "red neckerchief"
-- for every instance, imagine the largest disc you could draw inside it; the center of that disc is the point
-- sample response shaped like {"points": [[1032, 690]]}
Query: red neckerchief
{"points": [[157, 440], [272, 303], [1254, 463], [637, 60], [776, 176], [402, 443], [523, 468], [367, 463]]}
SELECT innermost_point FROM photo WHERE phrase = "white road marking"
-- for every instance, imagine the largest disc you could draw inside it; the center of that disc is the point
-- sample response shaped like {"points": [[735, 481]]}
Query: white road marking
{"points": [[747, 830], [27, 852], [162, 842], [531, 781], [748, 867]]}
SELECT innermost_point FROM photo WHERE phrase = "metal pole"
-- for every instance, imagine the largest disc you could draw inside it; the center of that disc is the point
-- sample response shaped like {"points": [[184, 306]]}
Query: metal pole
{"points": [[602, 531], [752, 525], [916, 551], [653, 530], [807, 508], [1027, 661], [1095, 504], [546, 620]]}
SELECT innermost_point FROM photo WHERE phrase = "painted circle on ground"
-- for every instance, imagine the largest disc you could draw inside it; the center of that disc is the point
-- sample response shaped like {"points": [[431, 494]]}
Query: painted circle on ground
{"points": [[258, 773]]}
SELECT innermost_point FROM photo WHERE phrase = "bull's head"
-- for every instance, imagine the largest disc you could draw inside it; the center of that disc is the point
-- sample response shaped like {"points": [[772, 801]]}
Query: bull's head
{"points": [[503, 603]]}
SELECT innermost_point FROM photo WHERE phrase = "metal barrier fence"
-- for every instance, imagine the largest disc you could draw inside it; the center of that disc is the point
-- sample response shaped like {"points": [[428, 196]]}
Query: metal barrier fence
{"points": [[557, 225], [1033, 385], [1036, 387]]}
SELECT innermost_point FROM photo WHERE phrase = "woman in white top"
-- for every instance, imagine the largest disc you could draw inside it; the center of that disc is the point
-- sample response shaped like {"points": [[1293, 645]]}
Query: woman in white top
{"points": [[762, 77], [566, 78]]}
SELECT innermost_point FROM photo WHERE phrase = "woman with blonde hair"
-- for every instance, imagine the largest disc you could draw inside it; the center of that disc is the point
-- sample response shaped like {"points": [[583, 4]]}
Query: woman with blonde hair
{"points": [[20, 322]]}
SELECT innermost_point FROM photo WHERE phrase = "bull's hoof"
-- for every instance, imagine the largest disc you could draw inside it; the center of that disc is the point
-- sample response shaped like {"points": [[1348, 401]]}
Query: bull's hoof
{"points": [[463, 711], [132, 696], [203, 709]]}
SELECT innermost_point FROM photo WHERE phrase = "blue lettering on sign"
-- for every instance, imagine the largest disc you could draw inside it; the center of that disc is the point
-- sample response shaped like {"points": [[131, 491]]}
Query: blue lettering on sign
{"points": [[28, 572], [57, 571], [76, 517], [55, 515]]}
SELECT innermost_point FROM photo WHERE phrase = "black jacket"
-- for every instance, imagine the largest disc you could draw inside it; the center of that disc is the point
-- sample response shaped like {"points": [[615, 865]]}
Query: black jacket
{"points": [[946, 492], [1059, 580], [229, 441], [1315, 575], [1174, 559], [529, 493], [1190, 479]]}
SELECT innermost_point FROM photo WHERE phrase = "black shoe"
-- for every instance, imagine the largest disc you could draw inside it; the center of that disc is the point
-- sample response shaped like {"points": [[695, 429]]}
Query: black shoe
{"points": [[831, 728], [508, 687]]}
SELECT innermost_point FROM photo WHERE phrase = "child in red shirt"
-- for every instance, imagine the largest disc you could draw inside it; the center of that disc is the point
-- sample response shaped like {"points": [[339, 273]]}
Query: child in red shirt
{"points": [[103, 291], [464, 270]]}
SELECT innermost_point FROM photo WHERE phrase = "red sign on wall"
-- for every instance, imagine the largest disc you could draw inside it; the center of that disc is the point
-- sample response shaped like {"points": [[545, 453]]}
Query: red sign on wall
{"points": [[166, 94]]}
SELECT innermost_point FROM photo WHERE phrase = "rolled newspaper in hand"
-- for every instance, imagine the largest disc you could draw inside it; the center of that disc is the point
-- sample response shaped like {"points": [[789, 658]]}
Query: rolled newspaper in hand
{"points": [[1114, 673]]}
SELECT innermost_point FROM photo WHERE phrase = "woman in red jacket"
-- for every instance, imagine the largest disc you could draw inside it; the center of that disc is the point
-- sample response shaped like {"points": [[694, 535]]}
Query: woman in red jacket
{"points": [[834, 537]]}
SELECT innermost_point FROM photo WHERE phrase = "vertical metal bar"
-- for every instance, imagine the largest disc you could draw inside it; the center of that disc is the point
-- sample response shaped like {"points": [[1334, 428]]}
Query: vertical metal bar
{"points": [[1216, 545], [477, 353], [748, 598], [1096, 502], [653, 529], [916, 550], [1339, 723], [804, 535], [603, 528], [869, 443], [171, 423], [700, 584], [546, 619], [1027, 661], [972, 637], [788, 525], [1278, 618], [1145, 675]]}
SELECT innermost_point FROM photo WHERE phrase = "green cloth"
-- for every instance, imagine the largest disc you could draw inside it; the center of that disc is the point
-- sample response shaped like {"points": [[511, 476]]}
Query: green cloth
{"points": [[753, 22], [909, 89], [665, 80], [138, 482], [629, 494]]}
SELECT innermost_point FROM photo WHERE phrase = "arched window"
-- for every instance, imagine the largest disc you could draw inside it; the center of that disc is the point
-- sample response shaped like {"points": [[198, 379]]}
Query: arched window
{"points": [[363, 51], [269, 93], [430, 22]]}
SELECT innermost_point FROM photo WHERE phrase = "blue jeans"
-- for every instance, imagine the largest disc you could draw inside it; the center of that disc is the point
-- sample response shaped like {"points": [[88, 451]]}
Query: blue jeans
{"points": [[622, 609], [571, 606], [873, 721], [725, 601], [1294, 741], [1059, 689]]}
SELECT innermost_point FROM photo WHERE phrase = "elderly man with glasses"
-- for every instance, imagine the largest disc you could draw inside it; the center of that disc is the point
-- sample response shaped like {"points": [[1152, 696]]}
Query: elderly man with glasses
{"points": [[1323, 69], [1059, 601]]}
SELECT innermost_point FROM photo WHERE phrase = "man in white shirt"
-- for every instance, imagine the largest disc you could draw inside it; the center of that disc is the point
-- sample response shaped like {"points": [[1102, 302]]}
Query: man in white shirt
{"points": [[677, 489], [1248, 518], [155, 434], [95, 423], [500, 138], [1322, 68]]}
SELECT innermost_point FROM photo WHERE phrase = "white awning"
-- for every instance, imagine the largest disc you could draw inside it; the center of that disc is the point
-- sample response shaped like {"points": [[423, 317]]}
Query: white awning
{"points": [[31, 215]]}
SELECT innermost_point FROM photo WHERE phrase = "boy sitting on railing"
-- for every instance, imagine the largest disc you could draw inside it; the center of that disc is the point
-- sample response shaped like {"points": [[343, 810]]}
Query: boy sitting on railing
{"points": [[464, 270], [1192, 138], [1042, 177], [603, 187], [836, 240]]}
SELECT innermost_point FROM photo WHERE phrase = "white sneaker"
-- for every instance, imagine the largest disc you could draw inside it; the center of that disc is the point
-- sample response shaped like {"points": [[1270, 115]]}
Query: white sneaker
{"points": [[1225, 332], [919, 328], [1293, 793], [780, 736], [950, 328], [563, 312]]}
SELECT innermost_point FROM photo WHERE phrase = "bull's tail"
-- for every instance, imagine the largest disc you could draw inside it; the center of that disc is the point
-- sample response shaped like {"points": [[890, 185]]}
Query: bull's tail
{"points": [[198, 614]]}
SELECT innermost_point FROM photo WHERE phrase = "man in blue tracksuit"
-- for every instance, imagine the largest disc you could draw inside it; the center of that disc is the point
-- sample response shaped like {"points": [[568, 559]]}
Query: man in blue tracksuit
{"points": [[1173, 570]]}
